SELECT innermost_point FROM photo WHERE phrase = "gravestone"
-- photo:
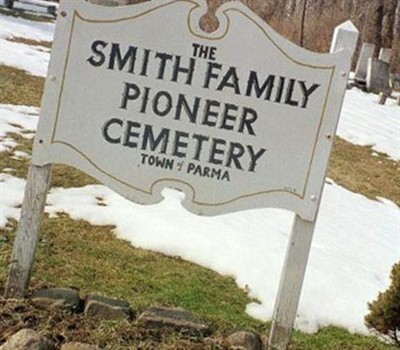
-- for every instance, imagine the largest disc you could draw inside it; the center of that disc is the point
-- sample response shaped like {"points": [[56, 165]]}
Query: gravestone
{"points": [[385, 54], [344, 38], [366, 53], [395, 81], [377, 76]]}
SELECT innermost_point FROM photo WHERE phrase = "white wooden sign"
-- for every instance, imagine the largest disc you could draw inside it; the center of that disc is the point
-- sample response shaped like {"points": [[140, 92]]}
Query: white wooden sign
{"points": [[140, 98]]}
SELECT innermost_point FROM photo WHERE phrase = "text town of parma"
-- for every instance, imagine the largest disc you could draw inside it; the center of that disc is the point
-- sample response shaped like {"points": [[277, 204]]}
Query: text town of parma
{"points": [[192, 109]]}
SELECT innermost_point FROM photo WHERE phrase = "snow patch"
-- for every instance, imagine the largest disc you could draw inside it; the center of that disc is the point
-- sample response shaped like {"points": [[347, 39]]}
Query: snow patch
{"points": [[364, 122], [356, 243]]}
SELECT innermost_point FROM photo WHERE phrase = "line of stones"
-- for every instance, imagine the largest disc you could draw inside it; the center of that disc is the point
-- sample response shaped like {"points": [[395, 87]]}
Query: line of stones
{"points": [[107, 308]]}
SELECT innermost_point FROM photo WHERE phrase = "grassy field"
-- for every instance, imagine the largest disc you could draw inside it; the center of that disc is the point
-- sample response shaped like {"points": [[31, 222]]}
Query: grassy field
{"points": [[76, 254]]}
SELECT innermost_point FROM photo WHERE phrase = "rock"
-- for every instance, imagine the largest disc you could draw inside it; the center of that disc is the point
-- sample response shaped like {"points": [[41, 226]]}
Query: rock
{"points": [[27, 339], [79, 346], [385, 54], [245, 340], [44, 303], [175, 318], [107, 308], [53, 297]]}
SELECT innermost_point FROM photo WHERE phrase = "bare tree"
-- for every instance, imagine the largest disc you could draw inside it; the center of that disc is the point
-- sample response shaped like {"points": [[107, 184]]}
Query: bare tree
{"points": [[347, 6], [388, 23], [372, 32], [291, 6], [303, 18]]}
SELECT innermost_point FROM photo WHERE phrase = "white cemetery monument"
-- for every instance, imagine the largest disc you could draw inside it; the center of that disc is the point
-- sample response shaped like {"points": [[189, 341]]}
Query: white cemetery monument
{"points": [[366, 53], [385, 54]]}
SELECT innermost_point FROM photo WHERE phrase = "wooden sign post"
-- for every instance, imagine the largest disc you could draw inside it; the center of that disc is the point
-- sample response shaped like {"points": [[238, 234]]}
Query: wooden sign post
{"points": [[30, 223], [345, 38], [236, 119]]}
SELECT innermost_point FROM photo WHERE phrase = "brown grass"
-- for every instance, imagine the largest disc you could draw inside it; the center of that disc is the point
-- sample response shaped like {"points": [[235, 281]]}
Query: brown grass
{"points": [[62, 175], [61, 325], [356, 169], [19, 40], [19, 88], [26, 15]]}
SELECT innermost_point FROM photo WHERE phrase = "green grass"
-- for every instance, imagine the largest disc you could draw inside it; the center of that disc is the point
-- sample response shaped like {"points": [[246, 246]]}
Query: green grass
{"points": [[66, 249], [73, 253], [332, 338]]}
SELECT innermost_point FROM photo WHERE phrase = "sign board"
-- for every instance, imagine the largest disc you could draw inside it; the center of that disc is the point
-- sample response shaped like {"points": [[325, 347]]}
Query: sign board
{"points": [[141, 98]]}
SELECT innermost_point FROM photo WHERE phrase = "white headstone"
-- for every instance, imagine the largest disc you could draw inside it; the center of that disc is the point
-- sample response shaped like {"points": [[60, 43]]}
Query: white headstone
{"points": [[385, 54], [394, 79], [377, 76], [366, 53], [345, 37]]}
